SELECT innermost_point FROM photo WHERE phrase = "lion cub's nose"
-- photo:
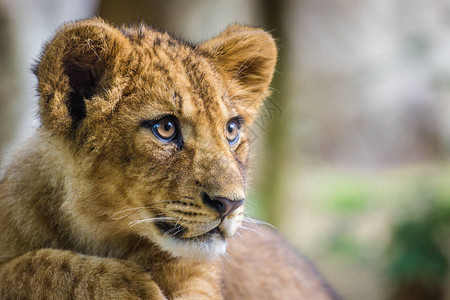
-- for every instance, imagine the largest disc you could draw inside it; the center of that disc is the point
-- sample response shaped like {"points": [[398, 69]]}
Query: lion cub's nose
{"points": [[223, 206]]}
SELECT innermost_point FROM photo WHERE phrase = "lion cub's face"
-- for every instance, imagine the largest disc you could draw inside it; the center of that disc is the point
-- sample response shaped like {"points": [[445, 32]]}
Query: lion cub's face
{"points": [[156, 130]]}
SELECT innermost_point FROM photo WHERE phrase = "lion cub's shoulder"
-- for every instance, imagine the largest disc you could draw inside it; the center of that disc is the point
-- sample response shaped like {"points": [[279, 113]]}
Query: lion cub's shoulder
{"points": [[263, 265]]}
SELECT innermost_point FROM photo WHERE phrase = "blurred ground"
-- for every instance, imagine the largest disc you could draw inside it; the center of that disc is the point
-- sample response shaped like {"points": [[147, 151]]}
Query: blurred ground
{"points": [[343, 219]]}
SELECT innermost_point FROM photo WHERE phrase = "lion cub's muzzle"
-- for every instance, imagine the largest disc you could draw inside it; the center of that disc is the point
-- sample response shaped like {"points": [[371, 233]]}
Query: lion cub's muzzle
{"points": [[223, 206]]}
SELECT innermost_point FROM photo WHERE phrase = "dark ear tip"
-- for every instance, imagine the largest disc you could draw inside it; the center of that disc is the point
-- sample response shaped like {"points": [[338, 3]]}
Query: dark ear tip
{"points": [[35, 67]]}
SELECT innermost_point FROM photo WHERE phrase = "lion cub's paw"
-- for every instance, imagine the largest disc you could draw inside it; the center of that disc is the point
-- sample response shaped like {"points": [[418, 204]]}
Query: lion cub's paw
{"points": [[57, 274], [123, 280]]}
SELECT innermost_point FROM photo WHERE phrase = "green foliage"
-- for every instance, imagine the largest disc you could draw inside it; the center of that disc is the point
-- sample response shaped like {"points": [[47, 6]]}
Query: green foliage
{"points": [[417, 250], [347, 247], [346, 195]]}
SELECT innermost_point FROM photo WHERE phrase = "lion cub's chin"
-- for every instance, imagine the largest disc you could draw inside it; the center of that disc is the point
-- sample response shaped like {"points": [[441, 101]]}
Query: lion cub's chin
{"points": [[194, 249], [205, 247]]}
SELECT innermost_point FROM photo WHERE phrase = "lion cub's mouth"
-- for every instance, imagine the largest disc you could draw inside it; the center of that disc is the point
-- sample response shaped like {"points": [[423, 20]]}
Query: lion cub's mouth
{"points": [[213, 232], [178, 231]]}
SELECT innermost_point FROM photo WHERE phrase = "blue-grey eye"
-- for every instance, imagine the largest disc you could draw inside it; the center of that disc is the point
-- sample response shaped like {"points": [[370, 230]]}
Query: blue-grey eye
{"points": [[165, 129], [232, 132]]}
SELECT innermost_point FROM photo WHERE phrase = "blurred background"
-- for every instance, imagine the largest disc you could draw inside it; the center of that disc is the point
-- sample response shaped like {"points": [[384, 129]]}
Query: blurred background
{"points": [[352, 159]]}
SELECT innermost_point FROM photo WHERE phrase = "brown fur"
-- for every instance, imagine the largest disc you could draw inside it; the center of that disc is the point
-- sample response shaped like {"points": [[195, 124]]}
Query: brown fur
{"points": [[79, 201]]}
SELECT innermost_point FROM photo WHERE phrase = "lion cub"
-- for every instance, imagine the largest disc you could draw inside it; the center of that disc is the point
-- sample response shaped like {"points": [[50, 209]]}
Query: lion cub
{"points": [[136, 178]]}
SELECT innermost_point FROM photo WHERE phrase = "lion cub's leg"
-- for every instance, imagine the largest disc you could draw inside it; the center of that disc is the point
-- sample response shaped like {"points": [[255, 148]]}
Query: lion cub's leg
{"points": [[56, 274], [199, 289], [190, 281]]}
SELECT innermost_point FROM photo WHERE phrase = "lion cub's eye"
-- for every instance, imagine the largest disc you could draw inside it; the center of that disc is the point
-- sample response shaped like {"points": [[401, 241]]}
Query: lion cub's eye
{"points": [[165, 129], [232, 132]]}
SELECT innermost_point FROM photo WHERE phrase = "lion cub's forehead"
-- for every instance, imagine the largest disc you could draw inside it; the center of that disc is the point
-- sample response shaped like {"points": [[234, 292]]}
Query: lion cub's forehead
{"points": [[176, 78]]}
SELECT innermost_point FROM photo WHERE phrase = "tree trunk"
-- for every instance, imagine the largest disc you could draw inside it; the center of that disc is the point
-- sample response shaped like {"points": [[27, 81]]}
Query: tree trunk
{"points": [[269, 188]]}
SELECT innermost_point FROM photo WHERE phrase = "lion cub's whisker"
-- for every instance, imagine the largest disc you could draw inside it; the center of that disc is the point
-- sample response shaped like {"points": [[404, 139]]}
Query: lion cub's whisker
{"points": [[133, 223], [178, 231], [177, 226], [255, 221], [135, 209], [229, 258], [251, 229]]}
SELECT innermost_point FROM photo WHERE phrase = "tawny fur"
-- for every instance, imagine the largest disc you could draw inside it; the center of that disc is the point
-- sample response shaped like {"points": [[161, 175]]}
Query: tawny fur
{"points": [[81, 201]]}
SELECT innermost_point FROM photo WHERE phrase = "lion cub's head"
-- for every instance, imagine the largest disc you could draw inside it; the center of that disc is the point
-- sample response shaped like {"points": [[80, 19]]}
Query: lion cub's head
{"points": [[153, 131]]}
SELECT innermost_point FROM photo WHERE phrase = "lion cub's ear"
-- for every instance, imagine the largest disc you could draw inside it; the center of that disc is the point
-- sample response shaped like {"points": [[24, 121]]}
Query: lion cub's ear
{"points": [[246, 56], [79, 66]]}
